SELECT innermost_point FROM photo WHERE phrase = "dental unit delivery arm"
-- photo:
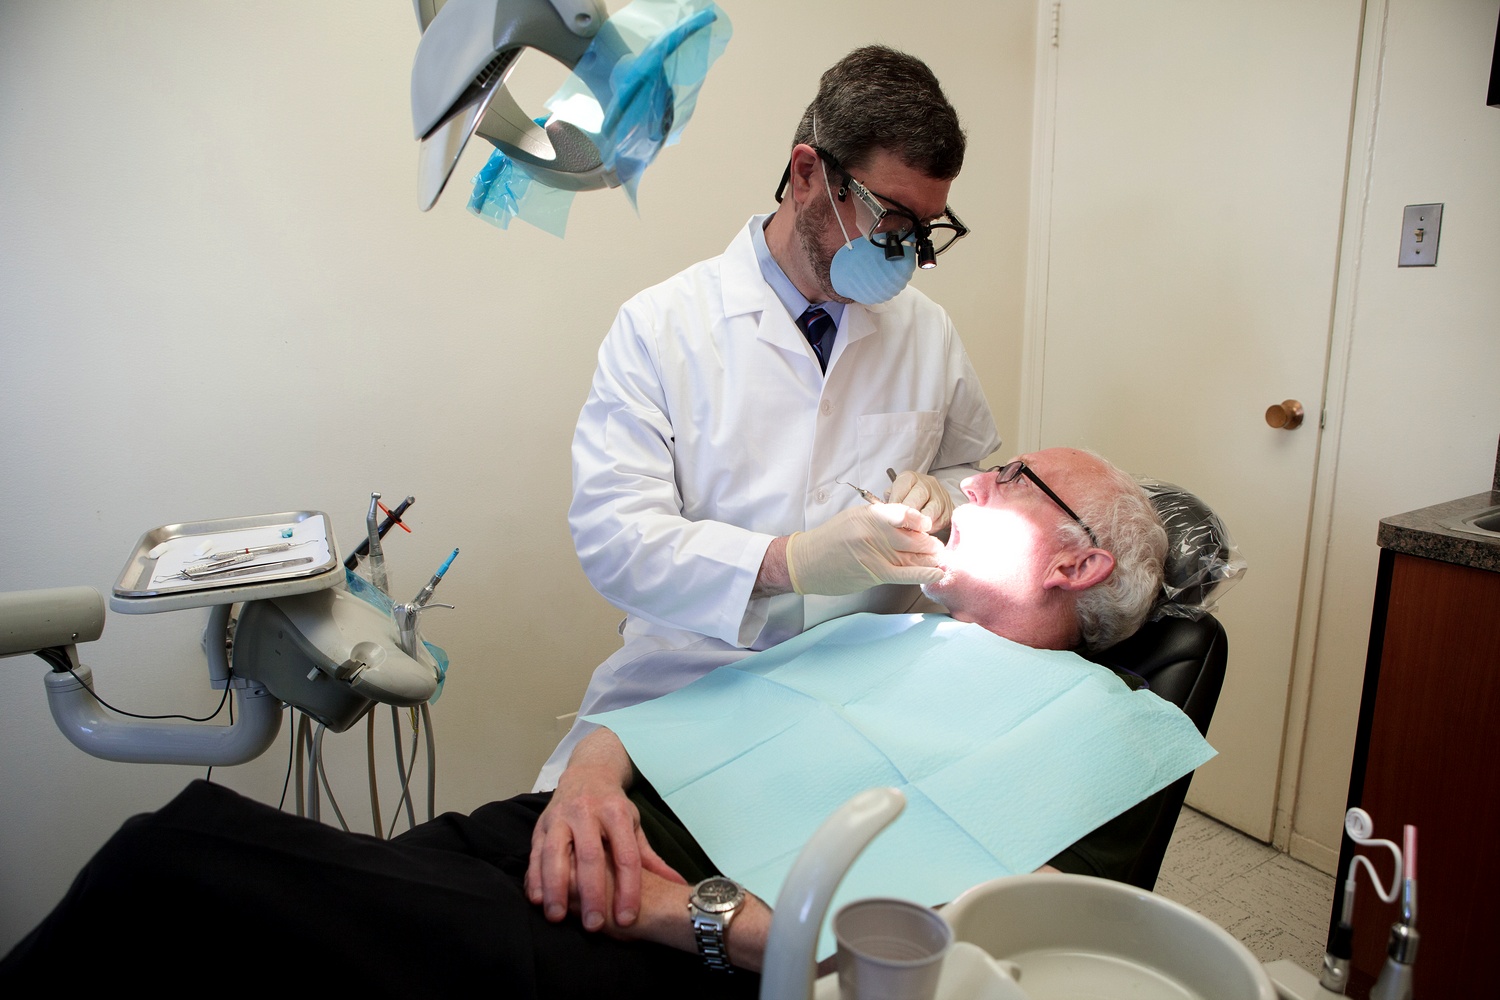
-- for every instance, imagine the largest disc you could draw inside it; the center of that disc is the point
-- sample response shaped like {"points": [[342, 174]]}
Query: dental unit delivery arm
{"points": [[300, 638], [51, 623]]}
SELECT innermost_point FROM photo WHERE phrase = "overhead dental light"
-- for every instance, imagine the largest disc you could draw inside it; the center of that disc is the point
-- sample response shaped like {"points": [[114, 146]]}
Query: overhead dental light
{"points": [[634, 85], [468, 48]]}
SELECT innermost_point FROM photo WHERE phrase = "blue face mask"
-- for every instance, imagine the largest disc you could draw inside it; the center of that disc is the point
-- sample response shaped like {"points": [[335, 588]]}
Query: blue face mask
{"points": [[860, 270]]}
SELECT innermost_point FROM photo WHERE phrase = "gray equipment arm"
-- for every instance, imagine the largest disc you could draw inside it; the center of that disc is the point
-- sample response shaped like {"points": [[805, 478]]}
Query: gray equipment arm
{"points": [[45, 619]]}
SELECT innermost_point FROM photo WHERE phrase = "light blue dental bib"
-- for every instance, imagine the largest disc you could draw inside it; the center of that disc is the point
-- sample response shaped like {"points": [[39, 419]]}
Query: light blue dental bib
{"points": [[1006, 754]]}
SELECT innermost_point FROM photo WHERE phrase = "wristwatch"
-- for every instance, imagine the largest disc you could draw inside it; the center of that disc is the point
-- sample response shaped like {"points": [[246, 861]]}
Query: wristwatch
{"points": [[711, 907]]}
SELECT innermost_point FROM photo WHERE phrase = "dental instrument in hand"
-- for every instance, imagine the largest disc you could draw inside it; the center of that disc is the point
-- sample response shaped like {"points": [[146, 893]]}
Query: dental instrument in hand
{"points": [[377, 557], [868, 496]]}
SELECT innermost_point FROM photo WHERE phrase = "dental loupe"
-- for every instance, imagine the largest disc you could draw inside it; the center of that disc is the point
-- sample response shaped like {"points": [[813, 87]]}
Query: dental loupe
{"points": [[468, 48]]}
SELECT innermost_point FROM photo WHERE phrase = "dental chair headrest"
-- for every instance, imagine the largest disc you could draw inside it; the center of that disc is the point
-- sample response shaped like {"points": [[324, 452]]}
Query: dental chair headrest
{"points": [[1202, 559]]}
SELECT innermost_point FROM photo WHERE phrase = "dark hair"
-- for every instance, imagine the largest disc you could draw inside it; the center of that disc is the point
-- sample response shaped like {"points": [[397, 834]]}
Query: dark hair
{"points": [[877, 98]]}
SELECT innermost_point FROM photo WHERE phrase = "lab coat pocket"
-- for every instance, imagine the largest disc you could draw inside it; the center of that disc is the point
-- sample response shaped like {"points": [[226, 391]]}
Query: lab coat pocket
{"points": [[898, 441]]}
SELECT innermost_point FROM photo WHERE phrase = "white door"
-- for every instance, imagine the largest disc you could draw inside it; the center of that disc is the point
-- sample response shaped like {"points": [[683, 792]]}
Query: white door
{"points": [[1196, 190]]}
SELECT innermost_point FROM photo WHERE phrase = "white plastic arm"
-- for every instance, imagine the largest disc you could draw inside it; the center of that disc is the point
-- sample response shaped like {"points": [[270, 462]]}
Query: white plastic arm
{"points": [[788, 970]]}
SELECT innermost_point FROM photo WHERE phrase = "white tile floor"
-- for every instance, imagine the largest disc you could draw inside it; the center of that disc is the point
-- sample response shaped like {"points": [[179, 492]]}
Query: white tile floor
{"points": [[1276, 906]]}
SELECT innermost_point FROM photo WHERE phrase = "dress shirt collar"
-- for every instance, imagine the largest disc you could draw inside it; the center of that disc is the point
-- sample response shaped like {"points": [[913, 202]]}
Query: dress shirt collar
{"points": [[794, 301]]}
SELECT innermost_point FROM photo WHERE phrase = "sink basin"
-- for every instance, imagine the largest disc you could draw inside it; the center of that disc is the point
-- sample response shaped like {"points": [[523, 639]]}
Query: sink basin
{"points": [[1075, 936], [1485, 522]]}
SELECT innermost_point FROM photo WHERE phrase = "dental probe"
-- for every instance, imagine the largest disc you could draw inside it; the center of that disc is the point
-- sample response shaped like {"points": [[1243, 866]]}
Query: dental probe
{"points": [[253, 550], [228, 571], [216, 563], [869, 497]]}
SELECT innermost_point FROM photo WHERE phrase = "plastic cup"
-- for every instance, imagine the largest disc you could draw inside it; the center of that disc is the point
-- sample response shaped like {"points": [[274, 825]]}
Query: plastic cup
{"points": [[890, 949]]}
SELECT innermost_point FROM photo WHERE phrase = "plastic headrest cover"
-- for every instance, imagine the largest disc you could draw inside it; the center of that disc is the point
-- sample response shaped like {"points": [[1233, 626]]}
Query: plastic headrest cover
{"points": [[1202, 559]]}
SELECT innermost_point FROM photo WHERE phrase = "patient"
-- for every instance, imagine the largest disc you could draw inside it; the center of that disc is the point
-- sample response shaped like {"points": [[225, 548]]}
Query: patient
{"points": [[1062, 551]]}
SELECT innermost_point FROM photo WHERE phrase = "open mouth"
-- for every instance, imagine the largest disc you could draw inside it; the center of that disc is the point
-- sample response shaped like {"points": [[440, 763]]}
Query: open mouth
{"points": [[952, 533]]}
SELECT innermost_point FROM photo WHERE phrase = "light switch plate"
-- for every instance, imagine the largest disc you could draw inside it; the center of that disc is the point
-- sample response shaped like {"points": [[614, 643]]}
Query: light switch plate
{"points": [[1419, 235]]}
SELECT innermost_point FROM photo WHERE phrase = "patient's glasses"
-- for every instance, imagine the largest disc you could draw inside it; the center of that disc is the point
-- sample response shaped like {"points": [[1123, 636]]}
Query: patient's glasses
{"points": [[288, 626]]}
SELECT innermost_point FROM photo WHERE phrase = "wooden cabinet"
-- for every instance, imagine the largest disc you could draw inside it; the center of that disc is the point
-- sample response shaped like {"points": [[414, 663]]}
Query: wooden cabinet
{"points": [[1426, 754]]}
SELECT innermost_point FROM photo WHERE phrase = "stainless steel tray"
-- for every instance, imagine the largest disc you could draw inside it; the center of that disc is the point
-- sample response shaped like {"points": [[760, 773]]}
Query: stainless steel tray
{"points": [[148, 585]]}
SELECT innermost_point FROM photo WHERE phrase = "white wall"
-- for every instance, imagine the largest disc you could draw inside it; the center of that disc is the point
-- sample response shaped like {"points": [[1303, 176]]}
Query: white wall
{"points": [[1421, 412], [217, 297]]}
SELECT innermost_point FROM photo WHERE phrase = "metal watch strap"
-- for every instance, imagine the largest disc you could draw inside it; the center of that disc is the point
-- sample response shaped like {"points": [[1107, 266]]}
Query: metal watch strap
{"points": [[711, 945]]}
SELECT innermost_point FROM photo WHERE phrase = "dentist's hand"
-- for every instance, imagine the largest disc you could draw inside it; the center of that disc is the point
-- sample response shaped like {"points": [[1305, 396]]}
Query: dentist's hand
{"points": [[862, 547], [588, 846], [925, 493]]}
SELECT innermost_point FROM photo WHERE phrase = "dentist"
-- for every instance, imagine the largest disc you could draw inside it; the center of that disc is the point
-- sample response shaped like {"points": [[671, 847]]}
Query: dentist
{"points": [[733, 400]]}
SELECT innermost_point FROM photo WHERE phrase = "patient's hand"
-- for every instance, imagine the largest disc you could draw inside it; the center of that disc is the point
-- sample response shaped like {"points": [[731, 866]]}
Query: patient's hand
{"points": [[588, 844], [664, 919]]}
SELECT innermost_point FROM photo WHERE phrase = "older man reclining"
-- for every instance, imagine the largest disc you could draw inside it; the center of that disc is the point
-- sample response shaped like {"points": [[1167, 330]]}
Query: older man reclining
{"points": [[1059, 550]]}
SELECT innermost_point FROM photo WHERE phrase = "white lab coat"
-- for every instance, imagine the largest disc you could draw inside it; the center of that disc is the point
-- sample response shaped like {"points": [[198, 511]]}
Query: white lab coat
{"points": [[710, 430]]}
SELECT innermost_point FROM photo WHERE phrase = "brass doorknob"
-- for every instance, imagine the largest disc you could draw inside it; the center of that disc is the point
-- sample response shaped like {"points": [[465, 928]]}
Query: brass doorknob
{"points": [[1286, 415]]}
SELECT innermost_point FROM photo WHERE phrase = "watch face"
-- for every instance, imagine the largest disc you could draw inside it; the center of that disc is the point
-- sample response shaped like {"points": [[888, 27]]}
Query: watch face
{"points": [[717, 894]]}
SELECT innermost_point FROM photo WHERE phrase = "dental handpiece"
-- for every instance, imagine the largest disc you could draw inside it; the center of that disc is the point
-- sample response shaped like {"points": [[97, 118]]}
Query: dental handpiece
{"points": [[1395, 979], [390, 522], [425, 594], [1409, 884], [377, 556]]}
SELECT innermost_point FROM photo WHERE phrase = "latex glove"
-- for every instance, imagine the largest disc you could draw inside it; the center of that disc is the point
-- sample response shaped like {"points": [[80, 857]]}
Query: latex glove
{"points": [[925, 493], [862, 547]]}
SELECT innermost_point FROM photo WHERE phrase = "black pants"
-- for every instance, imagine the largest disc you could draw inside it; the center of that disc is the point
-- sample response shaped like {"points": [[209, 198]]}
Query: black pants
{"points": [[218, 891]]}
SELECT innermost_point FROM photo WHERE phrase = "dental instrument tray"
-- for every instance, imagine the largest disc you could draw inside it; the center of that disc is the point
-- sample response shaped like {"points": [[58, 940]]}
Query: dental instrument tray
{"points": [[200, 564]]}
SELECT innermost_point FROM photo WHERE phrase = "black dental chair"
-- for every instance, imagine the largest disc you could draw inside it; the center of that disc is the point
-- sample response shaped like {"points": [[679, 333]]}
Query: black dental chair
{"points": [[1182, 650]]}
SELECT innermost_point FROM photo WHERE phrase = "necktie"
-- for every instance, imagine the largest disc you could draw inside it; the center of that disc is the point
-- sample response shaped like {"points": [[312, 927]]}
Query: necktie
{"points": [[820, 329]]}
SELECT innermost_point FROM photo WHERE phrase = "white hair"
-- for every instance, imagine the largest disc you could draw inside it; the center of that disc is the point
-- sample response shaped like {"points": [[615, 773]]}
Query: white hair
{"points": [[1127, 526]]}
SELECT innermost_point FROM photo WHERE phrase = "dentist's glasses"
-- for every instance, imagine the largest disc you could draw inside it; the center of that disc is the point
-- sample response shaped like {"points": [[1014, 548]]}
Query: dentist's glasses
{"points": [[892, 224], [1015, 470]]}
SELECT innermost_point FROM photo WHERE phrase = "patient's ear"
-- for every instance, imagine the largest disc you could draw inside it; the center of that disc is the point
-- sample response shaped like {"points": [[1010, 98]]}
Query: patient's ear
{"points": [[1079, 569]]}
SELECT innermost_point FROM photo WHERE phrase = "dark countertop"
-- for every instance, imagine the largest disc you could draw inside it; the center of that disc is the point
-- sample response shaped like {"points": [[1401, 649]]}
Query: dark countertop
{"points": [[1423, 533]]}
